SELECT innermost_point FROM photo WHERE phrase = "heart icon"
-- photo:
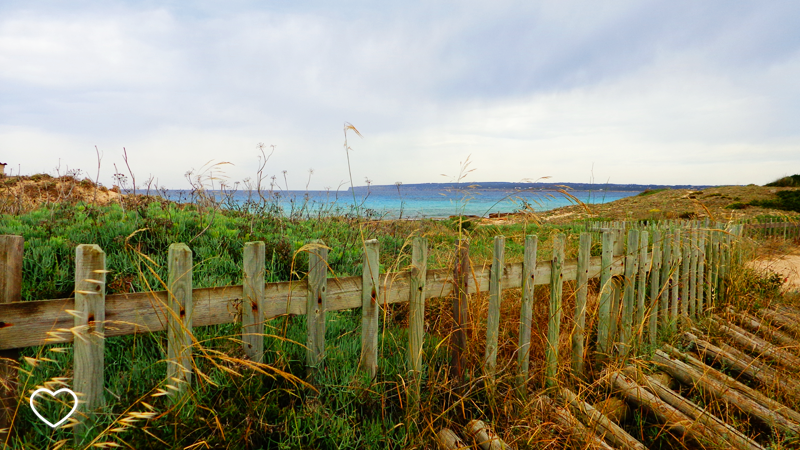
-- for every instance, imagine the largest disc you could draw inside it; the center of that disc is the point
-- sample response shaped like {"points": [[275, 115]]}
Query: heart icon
{"points": [[53, 394]]}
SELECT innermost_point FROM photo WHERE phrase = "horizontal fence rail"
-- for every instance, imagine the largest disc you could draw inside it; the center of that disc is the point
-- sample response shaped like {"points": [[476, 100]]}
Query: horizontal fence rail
{"points": [[40, 322]]}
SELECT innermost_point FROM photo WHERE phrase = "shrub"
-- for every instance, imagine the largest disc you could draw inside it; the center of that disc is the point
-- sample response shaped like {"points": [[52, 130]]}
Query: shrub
{"points": [[737, 205], [466, 223], [787, 201], [790, 181], [650, 192], [766, 283]]}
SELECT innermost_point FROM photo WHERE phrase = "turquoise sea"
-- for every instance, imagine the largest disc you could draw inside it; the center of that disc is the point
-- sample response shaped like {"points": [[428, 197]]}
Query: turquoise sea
{"points": [[403, 204]]}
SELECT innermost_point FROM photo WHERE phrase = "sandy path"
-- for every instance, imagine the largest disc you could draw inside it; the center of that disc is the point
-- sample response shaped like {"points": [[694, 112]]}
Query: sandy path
{"points": [[787, 265]]}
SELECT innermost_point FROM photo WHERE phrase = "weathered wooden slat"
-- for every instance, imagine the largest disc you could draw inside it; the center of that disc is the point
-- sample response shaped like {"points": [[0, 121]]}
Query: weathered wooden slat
{"points": [[89, 320], [692, 296], [180, 307], [11, 252], [571, 425], [676, 280], [597, 421], [617, 287], [316, 304], [641, 308], [745, 365], [416, 300], [581, 282], [495, 297], [369, 308], [666, 279], [715, 269], [724, 248], [604, 325], [677, 421], [764, 329], [554, 322], [526, 310], [781, 319], [685, 265], [460, 311], [701, 269], [712, 386], [483, 436], [626, 312], [755, 345], [655, 286], [731, 383], [253, 301], [723, 434], [40, 322], [709, 275]]}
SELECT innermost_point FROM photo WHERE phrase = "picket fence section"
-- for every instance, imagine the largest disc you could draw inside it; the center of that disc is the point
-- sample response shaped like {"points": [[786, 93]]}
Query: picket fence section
{"points": [[651, 275]]}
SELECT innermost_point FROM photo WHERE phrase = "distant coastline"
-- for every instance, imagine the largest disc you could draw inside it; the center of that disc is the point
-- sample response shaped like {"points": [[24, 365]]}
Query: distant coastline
{"points": [[510, 187]]}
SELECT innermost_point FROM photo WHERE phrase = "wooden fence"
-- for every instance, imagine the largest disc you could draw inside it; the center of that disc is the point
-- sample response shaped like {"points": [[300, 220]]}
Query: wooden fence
{"points": [[666, 272], [781, 228]]}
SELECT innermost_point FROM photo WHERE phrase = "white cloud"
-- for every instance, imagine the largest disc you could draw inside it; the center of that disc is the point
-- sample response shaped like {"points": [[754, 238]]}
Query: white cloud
{"points": [[648, 92]]}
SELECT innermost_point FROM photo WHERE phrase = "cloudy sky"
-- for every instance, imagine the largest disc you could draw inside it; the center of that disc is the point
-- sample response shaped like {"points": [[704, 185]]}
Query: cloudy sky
{"points": [[671, 92]]}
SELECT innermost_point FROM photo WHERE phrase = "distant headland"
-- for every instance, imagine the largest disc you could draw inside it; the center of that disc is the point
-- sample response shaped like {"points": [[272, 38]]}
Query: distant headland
{"points": [[506, 186]]}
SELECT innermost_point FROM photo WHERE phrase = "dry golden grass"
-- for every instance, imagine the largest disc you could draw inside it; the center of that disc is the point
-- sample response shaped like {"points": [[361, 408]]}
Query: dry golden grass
{"points": [[676, 204]]}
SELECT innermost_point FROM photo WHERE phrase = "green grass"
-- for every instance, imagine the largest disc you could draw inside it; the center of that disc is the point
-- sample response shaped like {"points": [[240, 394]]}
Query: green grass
{"points": [[787, 201], [232, 406], [650, 192]]}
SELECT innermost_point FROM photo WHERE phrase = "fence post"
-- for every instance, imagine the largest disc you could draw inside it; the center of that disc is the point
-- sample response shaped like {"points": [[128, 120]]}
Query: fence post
{"points": [[717, 265], [726, 246], [253, 301], [693, 276], [712, 260], [685, 265], [179, 322], [604, 305], [701, 267], [526, 311], [495, 298], [582, 285], [666, 273], [644, 237], [626, 313], [458, 340], [416, 319], [89, 345], [675, 278], [11, 251], [554, 322], [316, 304], [370, 286], [617, 287], [655, 286]]}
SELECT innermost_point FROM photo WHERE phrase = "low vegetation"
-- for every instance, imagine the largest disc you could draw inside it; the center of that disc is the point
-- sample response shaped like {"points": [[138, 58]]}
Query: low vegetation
{"points": [[722, 203], [790, 181], [236, 407], [786, 201]]}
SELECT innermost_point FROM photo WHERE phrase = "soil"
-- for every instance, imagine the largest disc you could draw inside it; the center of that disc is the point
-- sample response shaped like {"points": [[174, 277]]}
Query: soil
{"points": [[718, 203], [785, 263]]}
